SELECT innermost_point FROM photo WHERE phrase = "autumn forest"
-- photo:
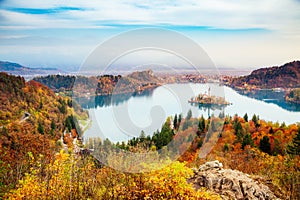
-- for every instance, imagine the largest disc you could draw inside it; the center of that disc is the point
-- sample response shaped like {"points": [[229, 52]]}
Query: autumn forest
{"points": [[43, 154]]}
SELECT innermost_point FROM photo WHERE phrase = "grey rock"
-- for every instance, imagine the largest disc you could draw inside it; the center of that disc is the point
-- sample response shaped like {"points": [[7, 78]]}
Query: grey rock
{"points": [[209, 165], [230, 184]]}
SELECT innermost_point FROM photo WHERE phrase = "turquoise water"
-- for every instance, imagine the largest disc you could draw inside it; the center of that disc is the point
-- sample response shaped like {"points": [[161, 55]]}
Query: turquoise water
{"points": [[122, 117]]}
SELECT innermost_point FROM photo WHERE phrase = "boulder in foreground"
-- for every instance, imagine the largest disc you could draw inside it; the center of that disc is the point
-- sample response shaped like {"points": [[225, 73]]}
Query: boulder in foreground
{"points": [[230, 184]]}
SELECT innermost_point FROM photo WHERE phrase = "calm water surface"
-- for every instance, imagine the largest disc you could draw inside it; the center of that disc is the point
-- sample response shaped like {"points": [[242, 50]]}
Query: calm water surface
{"points": [[122, 117]]}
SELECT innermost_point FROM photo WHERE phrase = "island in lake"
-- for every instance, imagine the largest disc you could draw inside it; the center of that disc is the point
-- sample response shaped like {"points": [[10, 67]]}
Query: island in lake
{"points": [[209, 100]]}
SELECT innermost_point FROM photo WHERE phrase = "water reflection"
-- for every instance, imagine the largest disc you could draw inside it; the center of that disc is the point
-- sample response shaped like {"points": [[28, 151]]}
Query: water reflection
{"points": [[110, 100], [270, 96], [120, 117], [210, 107]]}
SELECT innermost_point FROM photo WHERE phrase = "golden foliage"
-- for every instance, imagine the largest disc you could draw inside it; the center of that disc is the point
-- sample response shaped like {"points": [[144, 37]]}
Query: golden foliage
{"points": [[68, 177]]}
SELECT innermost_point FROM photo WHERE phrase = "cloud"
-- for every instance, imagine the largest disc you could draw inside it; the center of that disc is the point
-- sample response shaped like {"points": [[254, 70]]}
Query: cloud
{"points": [[43, 10], [218, 24], [268, 14], [13, 36]]}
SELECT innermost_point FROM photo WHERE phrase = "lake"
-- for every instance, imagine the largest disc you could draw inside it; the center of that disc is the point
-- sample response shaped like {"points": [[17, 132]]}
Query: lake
{"points": [[121, 117]]}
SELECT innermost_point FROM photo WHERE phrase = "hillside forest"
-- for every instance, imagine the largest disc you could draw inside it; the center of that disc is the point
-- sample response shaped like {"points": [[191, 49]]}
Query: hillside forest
{"points": [[41, 132]]}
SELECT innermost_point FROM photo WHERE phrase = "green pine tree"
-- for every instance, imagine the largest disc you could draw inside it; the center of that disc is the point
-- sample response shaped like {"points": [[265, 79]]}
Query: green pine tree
{"points": [[201, 124], [238, 129], [247, 140], [179, 119], [175, 122], [189, 115], [41, 128], [255, 120], [53, 126], [265, 145], [294, 148], [246, 117]]}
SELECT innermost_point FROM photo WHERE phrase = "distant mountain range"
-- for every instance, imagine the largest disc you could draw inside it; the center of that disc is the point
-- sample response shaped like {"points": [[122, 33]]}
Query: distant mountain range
{"points": [[285, 76], [17, 69]]}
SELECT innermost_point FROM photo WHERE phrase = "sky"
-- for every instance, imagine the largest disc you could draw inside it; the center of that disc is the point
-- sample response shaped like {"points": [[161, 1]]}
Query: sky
{"points": [[234, 34]]}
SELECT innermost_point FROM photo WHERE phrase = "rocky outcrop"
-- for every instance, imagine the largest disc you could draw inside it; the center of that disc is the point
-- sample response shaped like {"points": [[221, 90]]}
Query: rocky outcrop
{"points": [[230, 184]]}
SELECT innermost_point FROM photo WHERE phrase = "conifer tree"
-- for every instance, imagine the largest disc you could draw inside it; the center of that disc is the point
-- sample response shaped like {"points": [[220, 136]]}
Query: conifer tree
{"points": [[247, 140], [201, 124], [294, 148], [175, 122], [41, 128], [189, 115], [179, 119], [246, 117], [265, 145]]}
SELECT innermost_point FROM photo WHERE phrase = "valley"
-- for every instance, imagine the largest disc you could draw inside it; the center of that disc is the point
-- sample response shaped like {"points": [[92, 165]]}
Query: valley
{"points": [[50, 125]]}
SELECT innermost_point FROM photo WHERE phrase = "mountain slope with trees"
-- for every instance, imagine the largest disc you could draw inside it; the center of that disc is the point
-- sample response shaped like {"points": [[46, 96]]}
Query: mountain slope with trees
{"points": [[293, 96], [32, 121], [285, 76], [101, 85], [267, 151], [34, 162]]}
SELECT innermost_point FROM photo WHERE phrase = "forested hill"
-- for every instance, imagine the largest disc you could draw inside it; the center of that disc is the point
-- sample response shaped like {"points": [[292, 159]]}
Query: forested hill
{"points": [[65, 82], [19, 97], [9, 66], [285, 76], [32, 120], [101, 85], [17, 69], [144, 76]]}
